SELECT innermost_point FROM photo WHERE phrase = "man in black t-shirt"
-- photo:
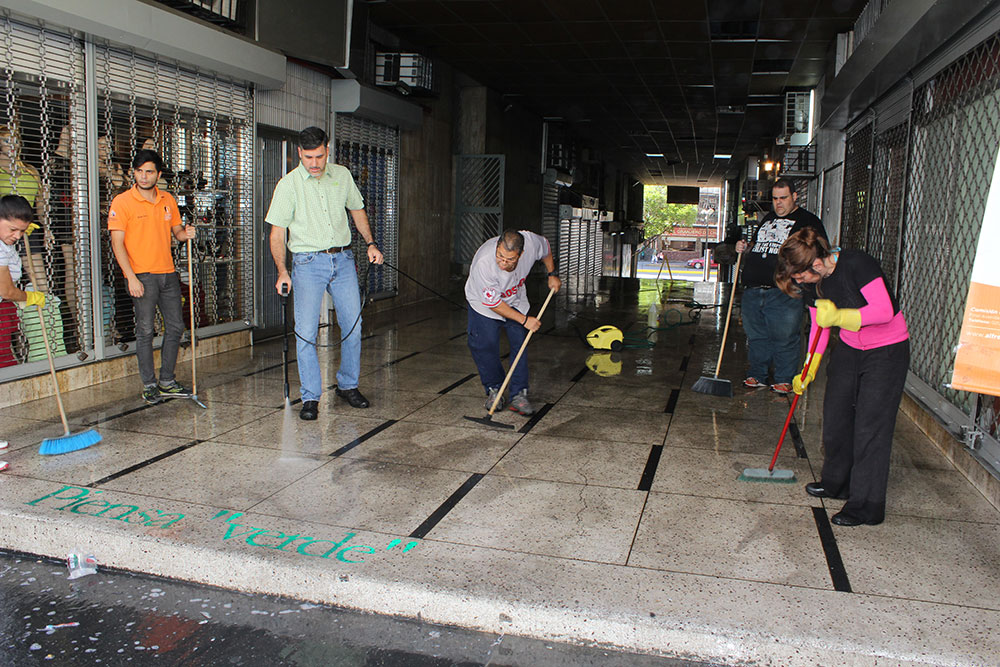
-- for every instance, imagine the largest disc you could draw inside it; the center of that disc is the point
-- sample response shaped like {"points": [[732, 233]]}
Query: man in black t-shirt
{"points": [[772, 320]]}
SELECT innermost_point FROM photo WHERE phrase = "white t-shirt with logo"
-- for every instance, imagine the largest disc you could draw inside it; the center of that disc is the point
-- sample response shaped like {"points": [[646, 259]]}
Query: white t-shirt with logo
{"points": [[10, 259], [488, 284]]}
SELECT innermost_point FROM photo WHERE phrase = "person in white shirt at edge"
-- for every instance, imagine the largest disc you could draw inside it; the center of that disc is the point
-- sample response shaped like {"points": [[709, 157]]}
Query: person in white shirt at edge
{"points": [[16, 216], [497, 300]]}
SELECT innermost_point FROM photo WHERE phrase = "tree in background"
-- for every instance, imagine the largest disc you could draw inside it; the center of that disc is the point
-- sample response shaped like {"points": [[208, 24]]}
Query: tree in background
{"points": [[659, 216]]}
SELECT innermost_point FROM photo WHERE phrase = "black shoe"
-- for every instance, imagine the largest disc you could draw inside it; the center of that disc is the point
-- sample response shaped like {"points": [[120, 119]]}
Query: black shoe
{"points": [[152, 395], [817, 490], [309, 411], [353, 397], [844, 519], [173, 390]]}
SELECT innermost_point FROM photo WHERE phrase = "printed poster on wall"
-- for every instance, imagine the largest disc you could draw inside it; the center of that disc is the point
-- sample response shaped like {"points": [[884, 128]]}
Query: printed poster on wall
{"points": [[977, 364]]}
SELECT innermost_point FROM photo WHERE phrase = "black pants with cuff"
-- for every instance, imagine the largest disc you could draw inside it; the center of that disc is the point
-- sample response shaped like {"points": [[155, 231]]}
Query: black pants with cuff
{"points": [[863, 391]]}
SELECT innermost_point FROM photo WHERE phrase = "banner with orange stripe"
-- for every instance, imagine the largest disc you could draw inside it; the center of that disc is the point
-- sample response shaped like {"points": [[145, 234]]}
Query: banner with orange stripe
{"points": [[977, 363]]}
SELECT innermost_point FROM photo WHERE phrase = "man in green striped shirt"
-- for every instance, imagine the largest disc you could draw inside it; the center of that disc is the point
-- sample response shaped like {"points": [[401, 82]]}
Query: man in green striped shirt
{"points": [[311, 202]]}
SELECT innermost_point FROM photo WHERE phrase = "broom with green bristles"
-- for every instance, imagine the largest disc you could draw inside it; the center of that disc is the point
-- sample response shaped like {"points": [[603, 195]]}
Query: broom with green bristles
{"points": [[769, 474], [70, 442]]}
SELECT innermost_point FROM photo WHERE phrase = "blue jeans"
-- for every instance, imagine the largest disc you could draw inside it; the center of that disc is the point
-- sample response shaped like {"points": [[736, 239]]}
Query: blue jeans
{"points": [[163, 290], [314, 273], [484, 343], [772, 321]]}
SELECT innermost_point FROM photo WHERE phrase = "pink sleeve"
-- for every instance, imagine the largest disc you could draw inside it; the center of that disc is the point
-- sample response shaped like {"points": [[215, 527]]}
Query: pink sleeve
{"points": [[824, 336], [879, 308]]}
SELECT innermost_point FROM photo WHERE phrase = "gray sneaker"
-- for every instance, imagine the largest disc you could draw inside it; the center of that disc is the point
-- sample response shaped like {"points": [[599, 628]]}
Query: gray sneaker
{"points": [[491, 396], [519, 403]]}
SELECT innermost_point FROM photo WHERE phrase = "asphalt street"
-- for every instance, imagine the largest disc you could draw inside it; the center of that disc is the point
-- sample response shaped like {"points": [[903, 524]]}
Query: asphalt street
{"points": [[117, 618]]}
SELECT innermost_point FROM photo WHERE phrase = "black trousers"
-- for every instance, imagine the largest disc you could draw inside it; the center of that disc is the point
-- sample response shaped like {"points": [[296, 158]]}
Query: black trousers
{"points": [[863, 390]]}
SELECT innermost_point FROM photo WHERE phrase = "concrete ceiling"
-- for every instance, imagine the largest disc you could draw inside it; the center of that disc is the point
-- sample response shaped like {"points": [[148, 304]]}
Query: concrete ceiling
{"points": [[688, 79]]}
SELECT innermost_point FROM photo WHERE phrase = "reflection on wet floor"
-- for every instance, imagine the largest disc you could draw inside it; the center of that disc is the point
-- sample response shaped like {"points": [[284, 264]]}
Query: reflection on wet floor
{"points": [[624, 475]]}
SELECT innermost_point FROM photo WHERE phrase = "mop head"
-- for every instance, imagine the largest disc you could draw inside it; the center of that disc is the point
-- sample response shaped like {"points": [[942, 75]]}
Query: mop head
{"points": [[69, 442], [765, 475], [714, 387]]}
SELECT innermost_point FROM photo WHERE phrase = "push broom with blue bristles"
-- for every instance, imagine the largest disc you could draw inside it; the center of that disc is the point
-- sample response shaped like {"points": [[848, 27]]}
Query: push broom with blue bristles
{"points": [[69, 442]]}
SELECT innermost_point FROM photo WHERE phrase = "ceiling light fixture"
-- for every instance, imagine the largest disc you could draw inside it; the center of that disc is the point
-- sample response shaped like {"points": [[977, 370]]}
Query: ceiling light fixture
{"points": [[722, 156], [654, 154]]}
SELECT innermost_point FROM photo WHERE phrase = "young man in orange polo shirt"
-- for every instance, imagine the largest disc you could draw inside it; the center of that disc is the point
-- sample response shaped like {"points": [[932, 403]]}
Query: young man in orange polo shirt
{"points": [[141, 221]]}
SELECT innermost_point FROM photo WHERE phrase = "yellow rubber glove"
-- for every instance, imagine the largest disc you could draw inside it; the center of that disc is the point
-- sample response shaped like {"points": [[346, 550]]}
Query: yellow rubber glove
{"points": [[35, 299], [32, 227], [799, 383], [828, 315]]}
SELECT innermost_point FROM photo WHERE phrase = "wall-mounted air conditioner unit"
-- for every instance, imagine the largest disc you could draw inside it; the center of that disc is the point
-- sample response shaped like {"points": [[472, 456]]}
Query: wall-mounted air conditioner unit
{"points": [[798, 118], [404, 71]]}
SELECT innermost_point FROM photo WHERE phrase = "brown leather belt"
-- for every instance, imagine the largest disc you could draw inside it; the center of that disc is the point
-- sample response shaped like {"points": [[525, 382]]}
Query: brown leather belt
{"points": [[334, 250]]}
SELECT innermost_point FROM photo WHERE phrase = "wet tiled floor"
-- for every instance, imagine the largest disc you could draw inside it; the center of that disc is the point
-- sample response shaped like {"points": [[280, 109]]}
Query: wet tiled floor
{"points": [[613, 516]]}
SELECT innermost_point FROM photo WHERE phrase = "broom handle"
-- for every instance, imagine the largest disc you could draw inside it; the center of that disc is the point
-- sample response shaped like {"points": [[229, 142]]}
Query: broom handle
{"points": [[194, 375], [795, 401], [45, 338], [510, 373], [729, 311]]}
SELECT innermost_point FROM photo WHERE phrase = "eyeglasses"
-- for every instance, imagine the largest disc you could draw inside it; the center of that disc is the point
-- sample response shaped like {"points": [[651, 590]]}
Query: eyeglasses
{"points": [[507, 261]]}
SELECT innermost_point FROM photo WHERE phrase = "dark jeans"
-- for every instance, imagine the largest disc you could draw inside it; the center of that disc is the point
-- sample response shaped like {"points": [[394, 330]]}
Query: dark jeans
{"points": [[772, 321], [863, 390], [484, 343], [163, 290]]}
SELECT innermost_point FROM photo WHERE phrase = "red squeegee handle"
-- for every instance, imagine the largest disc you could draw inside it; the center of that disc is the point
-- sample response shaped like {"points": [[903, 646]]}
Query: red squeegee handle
{"points": [[795, 401]]}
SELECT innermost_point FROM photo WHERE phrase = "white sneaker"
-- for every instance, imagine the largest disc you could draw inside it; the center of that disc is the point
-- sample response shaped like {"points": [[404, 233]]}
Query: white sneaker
{"points": [[4, 465]]}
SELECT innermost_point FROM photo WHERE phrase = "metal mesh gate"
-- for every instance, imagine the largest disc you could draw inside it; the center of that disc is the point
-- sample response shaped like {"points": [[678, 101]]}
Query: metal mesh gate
{"points": [[956, 131], [277, 155], [914, 197], [72, 116], [478, 203], [888, 178], [201, 126], [371, 151], [857, 180], [550, 215], [581, 247], [41, 158]]}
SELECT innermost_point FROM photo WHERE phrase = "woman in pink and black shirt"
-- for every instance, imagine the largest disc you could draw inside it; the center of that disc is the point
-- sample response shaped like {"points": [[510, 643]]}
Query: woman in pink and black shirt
{"points": [[865, 374]]}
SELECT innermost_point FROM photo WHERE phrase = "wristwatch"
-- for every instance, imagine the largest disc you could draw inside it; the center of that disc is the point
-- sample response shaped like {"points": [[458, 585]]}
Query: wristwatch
{"points": [[372, 243], [553, 273]]}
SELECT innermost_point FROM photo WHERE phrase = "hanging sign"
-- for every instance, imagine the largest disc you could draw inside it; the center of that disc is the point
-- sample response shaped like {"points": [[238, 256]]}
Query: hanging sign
{"points": [[977, 364]]}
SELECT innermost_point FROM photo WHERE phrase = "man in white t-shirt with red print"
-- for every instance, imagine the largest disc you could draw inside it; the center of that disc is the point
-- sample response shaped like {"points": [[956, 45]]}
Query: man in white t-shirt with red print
{"points": [[497, 300]]}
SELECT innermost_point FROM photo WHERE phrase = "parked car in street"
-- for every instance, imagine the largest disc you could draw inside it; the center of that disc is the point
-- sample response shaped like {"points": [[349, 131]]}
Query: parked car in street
{"points": [[699, 262]]}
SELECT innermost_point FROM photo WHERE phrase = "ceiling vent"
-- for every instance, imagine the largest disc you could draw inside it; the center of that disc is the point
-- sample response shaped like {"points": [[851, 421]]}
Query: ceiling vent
{"points": [[772, 66], [733, 31]]}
